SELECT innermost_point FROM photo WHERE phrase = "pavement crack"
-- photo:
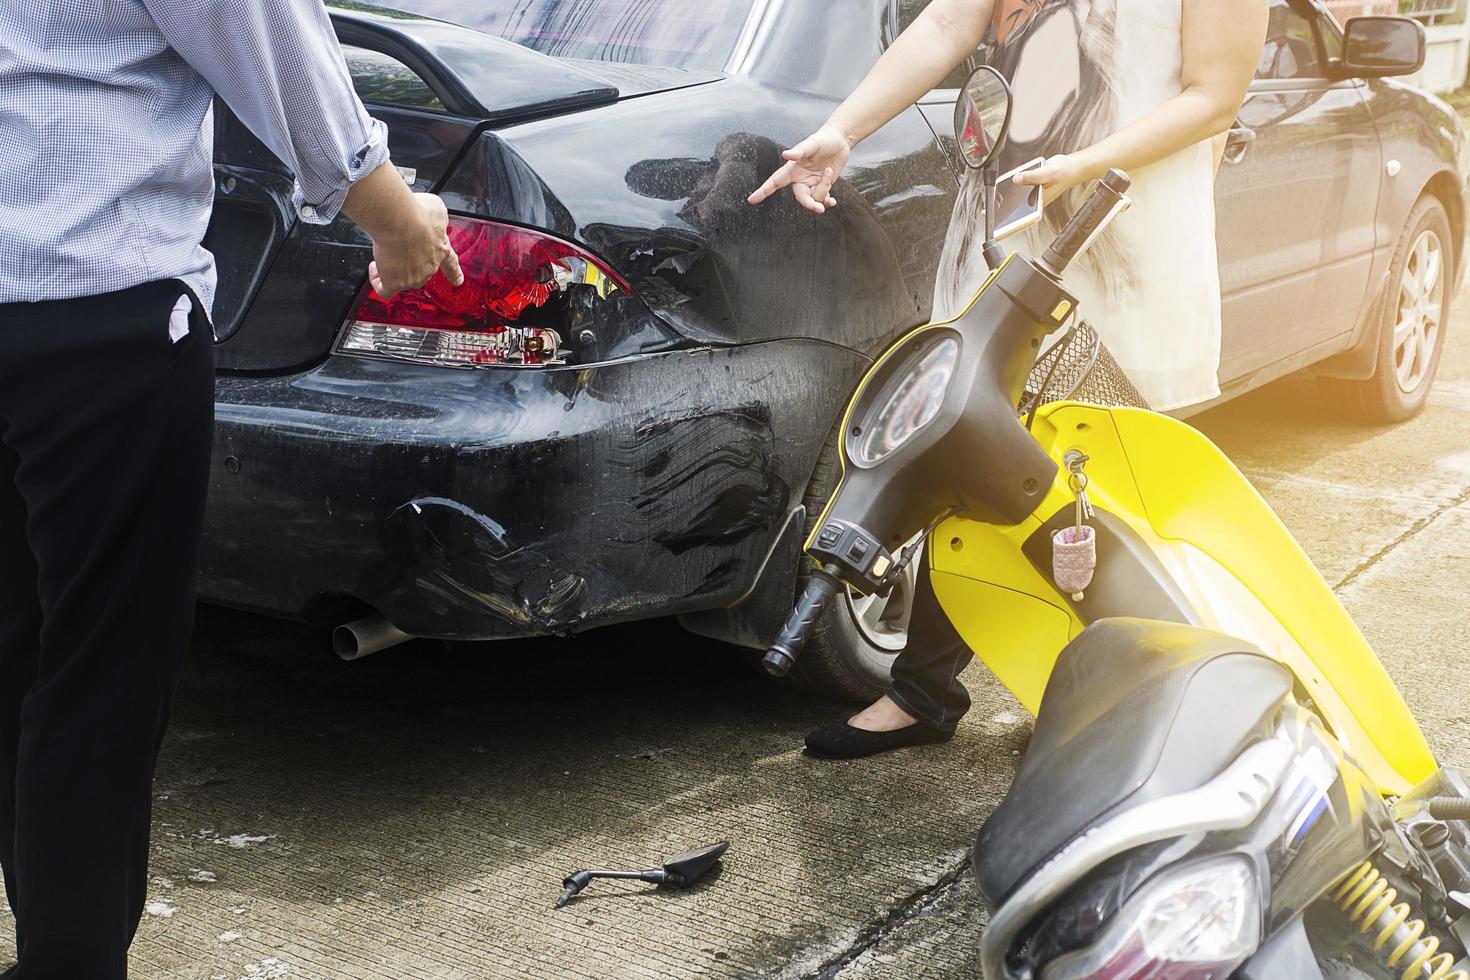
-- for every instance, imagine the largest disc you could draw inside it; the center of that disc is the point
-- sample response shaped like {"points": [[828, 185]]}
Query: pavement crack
{"points": [[902, 914], [1366, 564]]}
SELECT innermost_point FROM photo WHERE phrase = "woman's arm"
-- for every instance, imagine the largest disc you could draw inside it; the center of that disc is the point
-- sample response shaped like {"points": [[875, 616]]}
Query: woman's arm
{"points": [[943, 35], [1222, 40]]}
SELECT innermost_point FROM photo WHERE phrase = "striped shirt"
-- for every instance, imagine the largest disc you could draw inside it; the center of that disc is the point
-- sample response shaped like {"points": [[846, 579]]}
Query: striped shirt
{"points": [[106, 137]]}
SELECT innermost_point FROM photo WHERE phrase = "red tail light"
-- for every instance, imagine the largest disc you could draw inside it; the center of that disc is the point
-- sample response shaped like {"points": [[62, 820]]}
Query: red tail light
{"points": [[512, 309]]}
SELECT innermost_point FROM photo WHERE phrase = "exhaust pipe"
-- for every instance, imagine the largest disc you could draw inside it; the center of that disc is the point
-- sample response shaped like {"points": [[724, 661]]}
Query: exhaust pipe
{"points": [[367, 636]]}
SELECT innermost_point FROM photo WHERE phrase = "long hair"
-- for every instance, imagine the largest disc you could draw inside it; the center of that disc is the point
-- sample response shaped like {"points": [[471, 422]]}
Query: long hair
{"points": [[1089, 116]]}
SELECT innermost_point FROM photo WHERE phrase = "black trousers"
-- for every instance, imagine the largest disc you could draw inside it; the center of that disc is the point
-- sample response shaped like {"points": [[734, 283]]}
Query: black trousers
{"points": [[926, 676], [105, 432]]}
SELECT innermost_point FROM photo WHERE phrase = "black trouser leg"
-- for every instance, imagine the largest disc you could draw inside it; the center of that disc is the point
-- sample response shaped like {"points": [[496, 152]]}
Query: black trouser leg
{"points": [[20, 648], [926, 676], [106, 426]]}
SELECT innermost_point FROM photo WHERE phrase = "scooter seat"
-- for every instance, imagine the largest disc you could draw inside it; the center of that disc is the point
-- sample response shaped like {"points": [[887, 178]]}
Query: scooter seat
{"points": [[1135, 710]]}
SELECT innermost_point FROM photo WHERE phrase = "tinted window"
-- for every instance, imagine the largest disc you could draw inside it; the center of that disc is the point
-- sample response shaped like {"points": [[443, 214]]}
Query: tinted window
{"points": [[382, 80], [1292, 47], [696, 34]]}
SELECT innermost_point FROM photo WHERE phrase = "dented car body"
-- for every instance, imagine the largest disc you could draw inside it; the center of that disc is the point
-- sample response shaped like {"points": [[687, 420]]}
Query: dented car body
{"points": [[471, 504], [652, 451], [656, 471]]}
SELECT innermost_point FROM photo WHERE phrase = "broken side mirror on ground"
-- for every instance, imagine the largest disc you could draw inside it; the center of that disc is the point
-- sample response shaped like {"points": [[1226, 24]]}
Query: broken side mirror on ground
{"points": [[680, 871]]}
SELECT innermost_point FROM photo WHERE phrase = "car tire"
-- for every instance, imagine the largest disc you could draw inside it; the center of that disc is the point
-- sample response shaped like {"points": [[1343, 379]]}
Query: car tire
{"points": [[1412, 318], [850, 653]]}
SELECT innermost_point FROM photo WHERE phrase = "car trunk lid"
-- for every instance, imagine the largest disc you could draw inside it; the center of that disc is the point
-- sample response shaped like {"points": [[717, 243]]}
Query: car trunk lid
{"points": [[284, 285]]}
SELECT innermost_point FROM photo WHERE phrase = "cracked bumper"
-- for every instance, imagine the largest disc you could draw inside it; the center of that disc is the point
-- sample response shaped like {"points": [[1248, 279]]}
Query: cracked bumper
{"points": [[486, 504]]}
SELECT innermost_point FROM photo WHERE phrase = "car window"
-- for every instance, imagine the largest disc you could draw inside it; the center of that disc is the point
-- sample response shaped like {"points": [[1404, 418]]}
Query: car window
{"points": [[382, 80], [693, 34], [1293, 49], [908, 12]]}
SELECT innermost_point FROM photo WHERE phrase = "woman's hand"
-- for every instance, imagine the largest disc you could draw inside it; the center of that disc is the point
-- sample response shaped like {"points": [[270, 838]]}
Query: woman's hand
{"points": [[940, 38], [812, 167], [1058, 175]]}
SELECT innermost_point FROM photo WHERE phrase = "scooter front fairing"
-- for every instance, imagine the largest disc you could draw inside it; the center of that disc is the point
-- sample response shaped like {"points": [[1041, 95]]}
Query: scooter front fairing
{"points": [[1183, 536]]}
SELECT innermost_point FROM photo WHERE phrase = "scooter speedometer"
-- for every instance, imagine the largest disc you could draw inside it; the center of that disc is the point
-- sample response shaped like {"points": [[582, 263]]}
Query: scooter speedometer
{"points": [[911, 400]]}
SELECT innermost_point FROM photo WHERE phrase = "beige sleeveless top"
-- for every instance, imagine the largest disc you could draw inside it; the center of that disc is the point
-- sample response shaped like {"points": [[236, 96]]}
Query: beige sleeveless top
{"points": [[1082, 69]]}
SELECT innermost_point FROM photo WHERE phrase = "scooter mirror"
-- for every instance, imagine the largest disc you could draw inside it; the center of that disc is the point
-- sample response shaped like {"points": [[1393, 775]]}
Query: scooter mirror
{"points": [[687, 868], [679, 871], [982, 116]]}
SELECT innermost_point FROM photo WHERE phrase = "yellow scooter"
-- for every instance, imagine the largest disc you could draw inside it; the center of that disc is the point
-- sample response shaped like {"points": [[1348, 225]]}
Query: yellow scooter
{"points": [[1223, 780]]}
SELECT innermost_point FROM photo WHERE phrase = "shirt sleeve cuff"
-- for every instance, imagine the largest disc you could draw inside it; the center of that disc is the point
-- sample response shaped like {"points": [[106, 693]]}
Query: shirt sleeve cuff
{"points": [[325, 202]]}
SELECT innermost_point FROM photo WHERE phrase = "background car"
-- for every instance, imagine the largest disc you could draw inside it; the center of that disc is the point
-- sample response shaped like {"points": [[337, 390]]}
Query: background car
{"points": [[629, 409]]}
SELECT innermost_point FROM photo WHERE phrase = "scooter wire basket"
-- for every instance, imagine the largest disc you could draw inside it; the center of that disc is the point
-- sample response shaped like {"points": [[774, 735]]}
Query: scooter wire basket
{"points": [[1079, 368]]}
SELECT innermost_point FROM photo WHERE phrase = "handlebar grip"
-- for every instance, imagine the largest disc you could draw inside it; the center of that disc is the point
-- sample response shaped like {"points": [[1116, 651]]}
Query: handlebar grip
{"points": [[1085, 223], [1449, 808], [809, 608]]}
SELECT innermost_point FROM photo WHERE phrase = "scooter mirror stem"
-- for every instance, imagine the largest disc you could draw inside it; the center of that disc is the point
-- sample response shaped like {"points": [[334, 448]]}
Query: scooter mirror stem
{"points": [[993, 254], [578, 880]]}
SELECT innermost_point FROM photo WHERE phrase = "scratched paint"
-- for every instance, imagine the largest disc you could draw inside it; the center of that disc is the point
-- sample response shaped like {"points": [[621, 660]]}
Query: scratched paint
{"points": [[480, 505], [464, 558]]}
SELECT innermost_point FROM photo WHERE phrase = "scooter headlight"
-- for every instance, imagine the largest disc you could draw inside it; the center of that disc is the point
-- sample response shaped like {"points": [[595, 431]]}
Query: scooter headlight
{"points": [[1199, 922], [908, 402]]}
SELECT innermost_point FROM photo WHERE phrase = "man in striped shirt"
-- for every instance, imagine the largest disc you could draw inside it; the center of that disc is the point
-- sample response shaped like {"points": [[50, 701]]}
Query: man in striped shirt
{"points": [[106, 400]]}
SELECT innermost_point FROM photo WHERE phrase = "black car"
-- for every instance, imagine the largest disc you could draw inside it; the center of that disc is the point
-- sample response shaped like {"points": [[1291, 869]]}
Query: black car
{"points": [[628, 410]]}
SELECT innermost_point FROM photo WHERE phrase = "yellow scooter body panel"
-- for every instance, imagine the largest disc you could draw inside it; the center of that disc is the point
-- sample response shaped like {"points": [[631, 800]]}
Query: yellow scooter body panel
{"points": [[1240, 568]]}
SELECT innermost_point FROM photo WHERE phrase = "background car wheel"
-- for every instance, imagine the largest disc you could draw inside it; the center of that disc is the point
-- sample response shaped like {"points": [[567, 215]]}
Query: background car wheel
{"points": [[1412, 320], [851, 652]]}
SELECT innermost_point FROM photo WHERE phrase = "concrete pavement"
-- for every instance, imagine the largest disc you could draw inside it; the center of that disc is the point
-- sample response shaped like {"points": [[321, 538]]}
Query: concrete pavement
{"points": [[412, 815]]}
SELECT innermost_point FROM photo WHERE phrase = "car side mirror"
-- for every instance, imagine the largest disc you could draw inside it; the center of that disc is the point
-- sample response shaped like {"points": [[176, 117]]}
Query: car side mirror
{"points": [[1382, 47]]}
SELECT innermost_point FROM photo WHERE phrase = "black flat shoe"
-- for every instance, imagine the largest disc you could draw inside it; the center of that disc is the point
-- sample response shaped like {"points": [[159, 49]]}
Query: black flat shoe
{"points": [[840, 740]]}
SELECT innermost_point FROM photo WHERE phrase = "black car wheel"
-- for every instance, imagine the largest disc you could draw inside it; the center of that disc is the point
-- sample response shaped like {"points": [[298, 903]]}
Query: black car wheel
{"points": [[1412, 321], [851, 652]]}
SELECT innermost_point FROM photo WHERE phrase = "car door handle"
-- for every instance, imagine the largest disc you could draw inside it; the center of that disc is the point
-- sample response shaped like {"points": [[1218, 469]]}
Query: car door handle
{"points": [[1238, 142]]}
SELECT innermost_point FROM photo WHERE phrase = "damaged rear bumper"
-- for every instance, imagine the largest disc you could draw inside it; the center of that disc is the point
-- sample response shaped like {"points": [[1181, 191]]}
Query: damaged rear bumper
{"points": [[478, 504]]}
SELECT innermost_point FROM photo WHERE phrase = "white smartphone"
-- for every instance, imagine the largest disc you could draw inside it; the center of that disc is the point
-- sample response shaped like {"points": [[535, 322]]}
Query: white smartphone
{"points": [[1017, 206]]}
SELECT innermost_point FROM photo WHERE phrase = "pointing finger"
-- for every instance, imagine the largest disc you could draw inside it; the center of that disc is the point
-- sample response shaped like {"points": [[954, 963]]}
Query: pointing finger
{"points": [[451, 269], [774, 183]]}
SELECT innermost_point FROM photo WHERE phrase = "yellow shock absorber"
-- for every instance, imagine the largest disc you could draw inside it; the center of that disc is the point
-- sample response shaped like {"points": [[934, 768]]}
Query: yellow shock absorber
{"points": [[1372, 905]]}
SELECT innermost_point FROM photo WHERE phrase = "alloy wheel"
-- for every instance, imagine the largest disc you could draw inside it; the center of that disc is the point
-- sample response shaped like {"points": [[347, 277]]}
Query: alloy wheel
{"points": [[1420, 308], [884, 623]]}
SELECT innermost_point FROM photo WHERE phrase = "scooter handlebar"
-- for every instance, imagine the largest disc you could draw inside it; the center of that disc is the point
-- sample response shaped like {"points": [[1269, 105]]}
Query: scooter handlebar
{"points": [[809, 608], [1088, 220]]}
